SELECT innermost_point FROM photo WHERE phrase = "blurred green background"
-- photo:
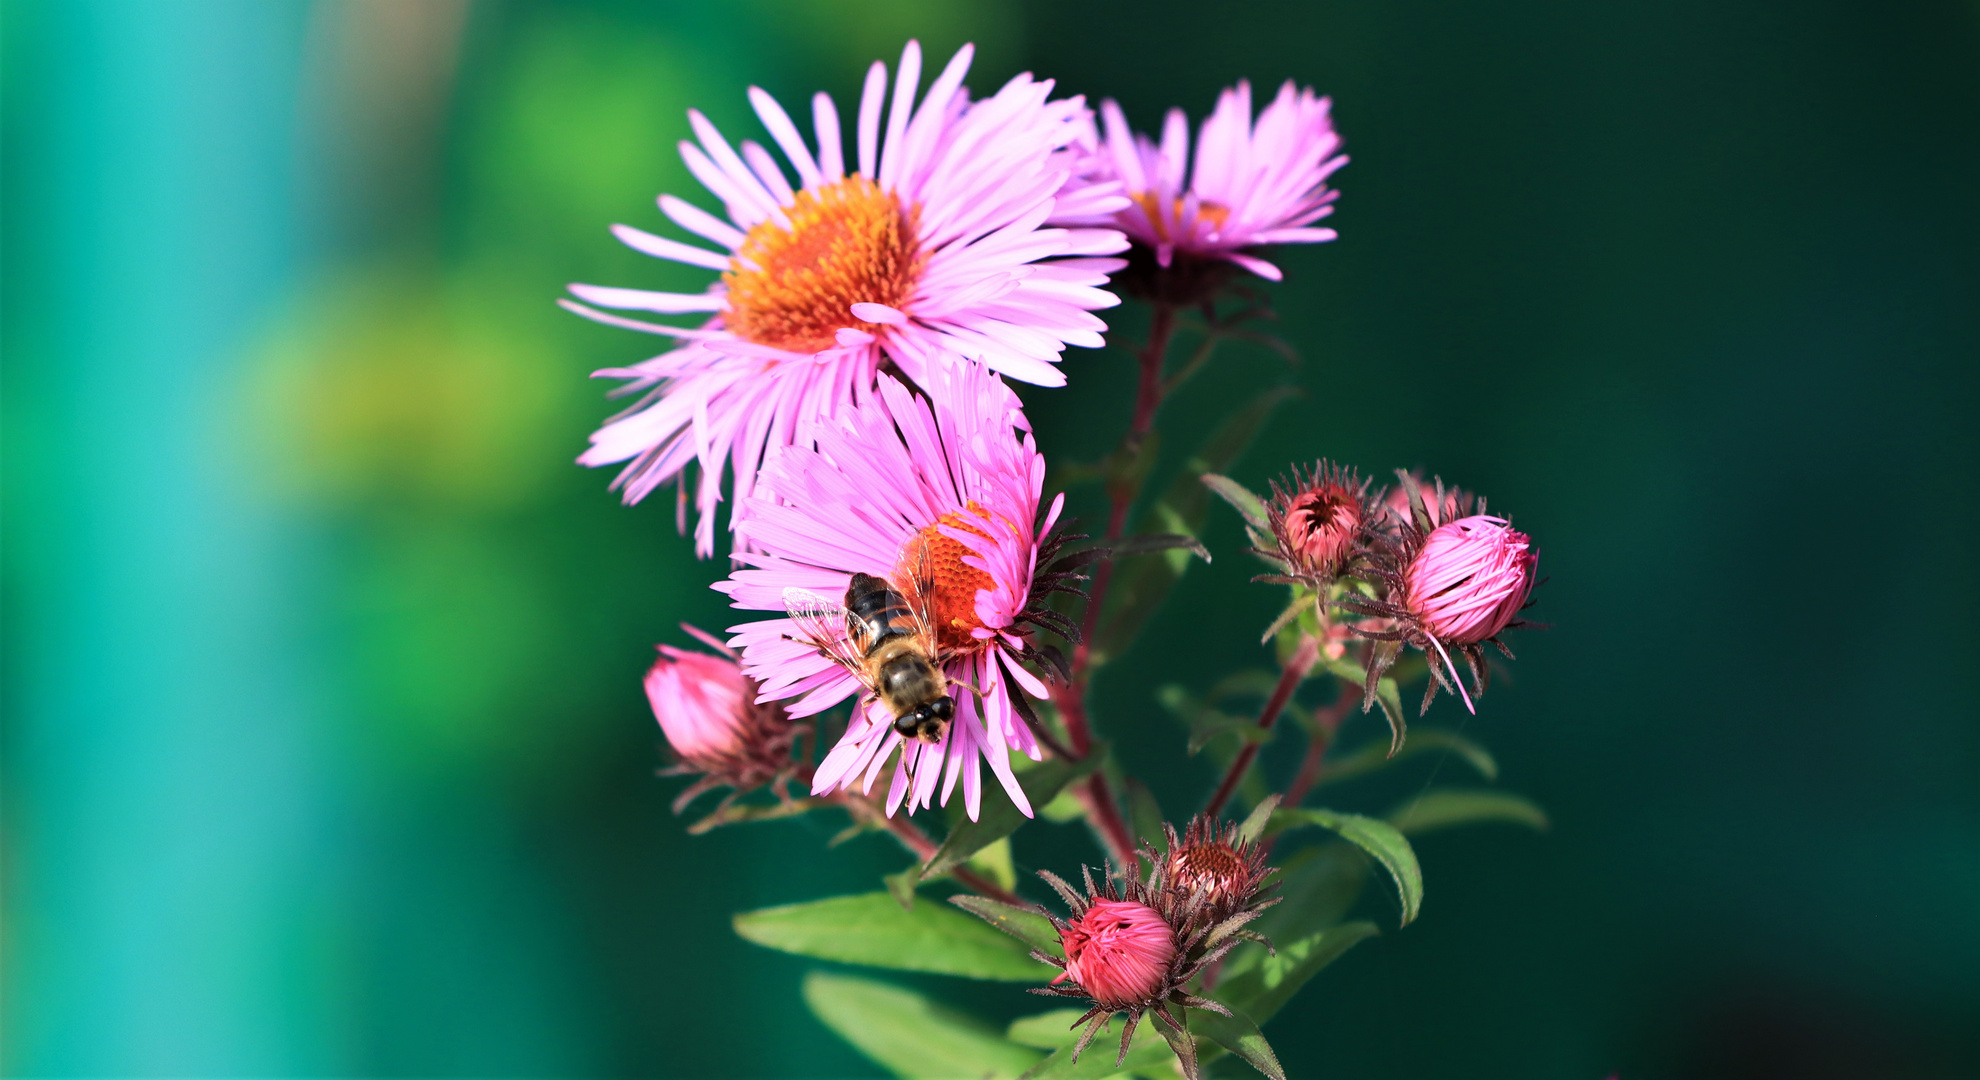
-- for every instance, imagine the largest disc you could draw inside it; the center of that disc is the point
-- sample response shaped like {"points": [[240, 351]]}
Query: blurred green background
{"points": [[324, 749]]}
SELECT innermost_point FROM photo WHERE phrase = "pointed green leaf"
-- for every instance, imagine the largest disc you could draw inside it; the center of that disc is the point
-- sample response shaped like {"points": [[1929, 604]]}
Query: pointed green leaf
{"points": [[1254, 826], [1262, 991], [1378, 838], [873, 929], [1030, 927], [1240, 1036], [911, 1036], [1001, 817], [901, 886], [1441, 808], [1371, 756], [1142, 543], [1241, 499]]}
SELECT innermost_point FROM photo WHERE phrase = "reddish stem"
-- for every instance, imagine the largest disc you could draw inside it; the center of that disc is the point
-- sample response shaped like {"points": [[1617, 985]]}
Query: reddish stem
{"points": [[1297, 665], [1325, 722], [1096, 794]]}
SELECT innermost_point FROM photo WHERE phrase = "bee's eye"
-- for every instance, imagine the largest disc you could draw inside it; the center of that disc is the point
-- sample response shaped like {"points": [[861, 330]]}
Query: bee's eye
{"points": [[944, 708]]}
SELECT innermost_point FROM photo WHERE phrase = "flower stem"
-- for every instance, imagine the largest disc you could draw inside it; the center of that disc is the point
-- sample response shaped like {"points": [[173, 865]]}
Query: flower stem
{"points": [[1297, 665], [1095, 794], [1325, 723]]}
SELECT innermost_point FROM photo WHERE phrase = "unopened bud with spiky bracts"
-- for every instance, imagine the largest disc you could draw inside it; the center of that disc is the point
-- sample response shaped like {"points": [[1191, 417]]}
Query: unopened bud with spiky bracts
{"points": [[1320, 519], [1216, 859], [1449, 578], [1133, 944], [708, 710]]}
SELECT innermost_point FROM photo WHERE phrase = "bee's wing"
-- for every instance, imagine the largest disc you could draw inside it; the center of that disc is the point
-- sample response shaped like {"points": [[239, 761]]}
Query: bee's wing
{"points": [[918, 589], [822, 625]]}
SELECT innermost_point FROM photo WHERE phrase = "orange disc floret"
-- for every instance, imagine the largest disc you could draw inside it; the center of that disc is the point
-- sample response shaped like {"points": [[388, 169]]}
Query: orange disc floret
{"points": [[952, 584], [1209, 213], [848, 243]]}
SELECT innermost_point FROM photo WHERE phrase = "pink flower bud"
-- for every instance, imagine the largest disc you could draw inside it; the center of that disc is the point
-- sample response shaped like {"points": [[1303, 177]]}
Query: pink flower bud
{"points": [[1470, 578], [1119, 952], [702, 703], [708, 709], [1212, 860], [1317, 519]]}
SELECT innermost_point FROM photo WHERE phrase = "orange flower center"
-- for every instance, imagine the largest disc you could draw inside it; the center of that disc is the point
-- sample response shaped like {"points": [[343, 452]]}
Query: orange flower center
{"points": [[848, 243], [1211, 214], [952, 583]]}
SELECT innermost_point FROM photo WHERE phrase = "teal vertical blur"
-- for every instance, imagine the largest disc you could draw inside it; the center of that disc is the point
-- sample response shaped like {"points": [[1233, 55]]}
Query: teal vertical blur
{"points": [[163, 727]]}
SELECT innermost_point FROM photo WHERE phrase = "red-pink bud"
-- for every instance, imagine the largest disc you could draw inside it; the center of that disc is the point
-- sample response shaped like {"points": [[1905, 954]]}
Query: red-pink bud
{"points": [[1119, 952], [1470, 578], [1317, 519]]}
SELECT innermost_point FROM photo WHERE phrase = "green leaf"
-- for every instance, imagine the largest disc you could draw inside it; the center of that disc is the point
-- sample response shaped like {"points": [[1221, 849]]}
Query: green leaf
{"points": [[1317, 889], [1241, 499], [901, 886], [995, 863], [873, 929], [1441, 808], [1030, 927], [1001, 817], [1143, 543], [911, 1036], [1146, 1052], [1254, 825], [1262, 991], [1378, 838], [1144, 814], [1371, 756], [1241, 1037]]}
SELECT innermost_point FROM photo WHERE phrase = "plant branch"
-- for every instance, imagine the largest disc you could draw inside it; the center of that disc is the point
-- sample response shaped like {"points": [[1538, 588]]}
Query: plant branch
{"points": [[1095, 794], [1297, 665]]}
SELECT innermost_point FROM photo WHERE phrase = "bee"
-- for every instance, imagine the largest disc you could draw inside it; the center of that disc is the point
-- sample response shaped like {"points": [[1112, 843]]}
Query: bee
{"points": [[883, 633]]}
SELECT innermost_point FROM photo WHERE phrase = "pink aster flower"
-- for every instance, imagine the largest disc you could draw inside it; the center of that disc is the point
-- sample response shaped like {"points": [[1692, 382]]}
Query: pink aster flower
{"points": [[708, 710], [1251, 186], [959, 480], [1450, 579], [931, 249]]}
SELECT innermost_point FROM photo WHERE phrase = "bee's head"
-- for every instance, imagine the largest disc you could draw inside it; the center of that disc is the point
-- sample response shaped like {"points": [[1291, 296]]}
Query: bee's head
{"points": [[927, 722]]}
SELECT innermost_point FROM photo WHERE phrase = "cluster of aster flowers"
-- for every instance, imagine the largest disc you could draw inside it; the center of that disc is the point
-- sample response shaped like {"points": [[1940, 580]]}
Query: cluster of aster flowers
{"points": [[848, 374], [845, 388]]}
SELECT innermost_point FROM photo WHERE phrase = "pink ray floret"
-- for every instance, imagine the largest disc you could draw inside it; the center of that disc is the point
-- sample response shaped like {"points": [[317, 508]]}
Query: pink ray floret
{"points": [[928, 246], [1252, 185], [893, 472]]}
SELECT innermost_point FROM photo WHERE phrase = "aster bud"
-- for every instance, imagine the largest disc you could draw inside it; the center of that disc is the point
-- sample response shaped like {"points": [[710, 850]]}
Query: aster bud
{"points": [[707, 708], [1318, 520], [1470, 578], [1449, 578], [1214, 863], [1133, 945], [1119, 952]]}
